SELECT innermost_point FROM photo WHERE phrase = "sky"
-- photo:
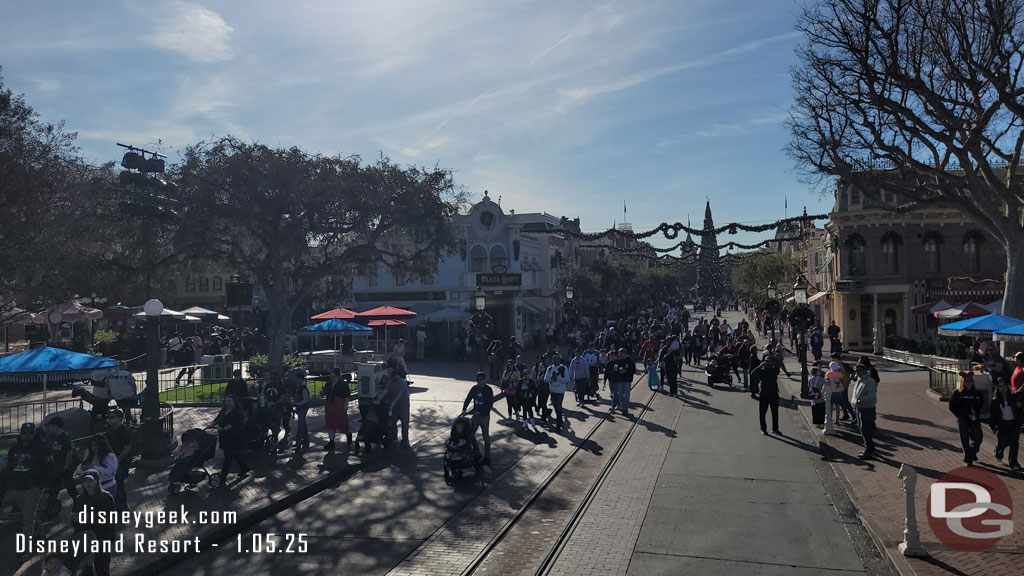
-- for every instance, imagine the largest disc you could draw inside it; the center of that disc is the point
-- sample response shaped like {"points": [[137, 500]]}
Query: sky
{"points": [[572, 108]]}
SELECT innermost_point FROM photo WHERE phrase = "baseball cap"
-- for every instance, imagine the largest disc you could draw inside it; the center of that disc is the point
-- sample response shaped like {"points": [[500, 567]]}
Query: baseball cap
{"points": [[91, 473], [481, 376], [28, 427], [833, 366]]}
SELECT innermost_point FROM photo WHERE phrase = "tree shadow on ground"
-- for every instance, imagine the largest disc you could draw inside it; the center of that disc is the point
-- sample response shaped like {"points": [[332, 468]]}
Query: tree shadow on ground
{"points": [[918, 421]]}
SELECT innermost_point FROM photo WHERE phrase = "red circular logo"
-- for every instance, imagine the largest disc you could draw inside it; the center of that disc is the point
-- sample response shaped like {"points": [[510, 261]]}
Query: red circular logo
{"points": [[970, 509]]}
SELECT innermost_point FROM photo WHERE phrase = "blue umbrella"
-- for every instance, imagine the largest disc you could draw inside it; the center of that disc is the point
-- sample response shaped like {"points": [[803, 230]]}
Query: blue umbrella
{"points": [[337, 326], [1013, 334], [982, 325], [52, 365]]}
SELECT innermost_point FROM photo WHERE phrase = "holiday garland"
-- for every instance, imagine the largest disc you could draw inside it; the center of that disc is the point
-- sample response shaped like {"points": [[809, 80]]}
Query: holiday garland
{"points": [[482, 322], [671, 231]]}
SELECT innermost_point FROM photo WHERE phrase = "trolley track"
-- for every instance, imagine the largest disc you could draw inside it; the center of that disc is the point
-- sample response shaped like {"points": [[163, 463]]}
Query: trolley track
{"points": [[513, 549]]}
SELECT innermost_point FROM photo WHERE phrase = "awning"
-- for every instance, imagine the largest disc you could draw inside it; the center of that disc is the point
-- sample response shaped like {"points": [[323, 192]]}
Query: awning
{"points": [[818, 296], [962, 312], [983, 325]]}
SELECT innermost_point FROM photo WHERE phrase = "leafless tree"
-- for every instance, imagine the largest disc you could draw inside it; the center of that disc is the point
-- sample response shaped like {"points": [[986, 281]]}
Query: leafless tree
{"points": [[921, 99]]}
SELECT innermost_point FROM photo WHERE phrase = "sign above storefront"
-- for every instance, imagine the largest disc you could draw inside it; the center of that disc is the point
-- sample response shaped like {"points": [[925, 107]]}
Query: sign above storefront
{"points": [[507, 279]]}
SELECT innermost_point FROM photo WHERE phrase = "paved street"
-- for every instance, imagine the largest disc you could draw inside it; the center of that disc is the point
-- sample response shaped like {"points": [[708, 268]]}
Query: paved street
{"points": [[696, 489]]}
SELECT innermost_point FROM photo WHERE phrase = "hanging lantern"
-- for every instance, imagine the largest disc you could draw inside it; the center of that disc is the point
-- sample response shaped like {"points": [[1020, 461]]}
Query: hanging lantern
{"points": [[732, 228], [154, 165]]}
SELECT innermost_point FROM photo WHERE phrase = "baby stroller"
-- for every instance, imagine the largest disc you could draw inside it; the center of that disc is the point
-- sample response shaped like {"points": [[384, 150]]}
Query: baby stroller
{"points": [[197, 446], [460, 452], [372, 429], [719, 369], [258, 423]]}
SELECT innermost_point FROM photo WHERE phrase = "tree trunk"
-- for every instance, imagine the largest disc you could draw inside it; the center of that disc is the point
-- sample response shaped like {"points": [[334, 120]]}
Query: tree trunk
{"points": [[1013, 292], [278, 322]]}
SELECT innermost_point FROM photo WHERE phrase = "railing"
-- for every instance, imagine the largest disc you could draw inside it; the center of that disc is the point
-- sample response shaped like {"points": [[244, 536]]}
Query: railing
{"points": [[13, 416], [943, 378], [202, 391]]}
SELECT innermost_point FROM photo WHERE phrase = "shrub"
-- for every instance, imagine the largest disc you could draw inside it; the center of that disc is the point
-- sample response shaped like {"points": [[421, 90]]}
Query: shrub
{"points": [[258, 364]]}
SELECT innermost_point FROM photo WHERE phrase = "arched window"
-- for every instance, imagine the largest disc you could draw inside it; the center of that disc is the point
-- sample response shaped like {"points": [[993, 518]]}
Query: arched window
{"points": [[498, 256], [855, 245], [971, 241], [890, 252], [931, 256], [478, 259]]}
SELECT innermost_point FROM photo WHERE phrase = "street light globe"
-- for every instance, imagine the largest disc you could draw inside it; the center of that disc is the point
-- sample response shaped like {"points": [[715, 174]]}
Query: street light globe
{"points": [[479, 299], [771, 290], [568, 292], [153, 307], [800, 291]]}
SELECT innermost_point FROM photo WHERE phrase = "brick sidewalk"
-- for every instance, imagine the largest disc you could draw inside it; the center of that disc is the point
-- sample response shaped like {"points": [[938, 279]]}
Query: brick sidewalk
{"points": [[916, 429]]}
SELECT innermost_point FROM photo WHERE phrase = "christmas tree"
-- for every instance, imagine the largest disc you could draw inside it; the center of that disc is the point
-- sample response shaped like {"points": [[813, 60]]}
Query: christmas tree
{"points": [[712, 277]]}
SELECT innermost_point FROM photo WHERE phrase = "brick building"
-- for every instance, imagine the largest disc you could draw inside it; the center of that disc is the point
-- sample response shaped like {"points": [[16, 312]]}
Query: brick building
{"points": [[886, 262]]}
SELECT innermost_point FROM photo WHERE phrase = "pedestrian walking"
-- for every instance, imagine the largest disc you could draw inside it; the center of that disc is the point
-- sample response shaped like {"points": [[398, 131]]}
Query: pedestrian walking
{"points": [[337, 394], [623, 370], [301, 403], [399, 409], [833, 384], [507, 384], [28, 471], [671, 364], [579, 374], [101, 459], [96, 500], [1006, 413], [482, 398], [236, 386], [558, 384], [817, 342], [540, 378], [230, 423], [965, 403], [833, 338], [768, 395], [120, 438], [59, 443], [526, 393], [865, 398]]}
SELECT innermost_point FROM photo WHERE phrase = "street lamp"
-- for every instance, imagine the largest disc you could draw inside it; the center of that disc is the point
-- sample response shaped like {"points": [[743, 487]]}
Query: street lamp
{"points": [[801, 319], [154, 442], [479, 299], [568, 292], [771, 308]]}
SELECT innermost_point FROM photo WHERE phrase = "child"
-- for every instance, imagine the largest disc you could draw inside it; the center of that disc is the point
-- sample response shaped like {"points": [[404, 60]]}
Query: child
{"points": [[527, 396], [53, 566]]}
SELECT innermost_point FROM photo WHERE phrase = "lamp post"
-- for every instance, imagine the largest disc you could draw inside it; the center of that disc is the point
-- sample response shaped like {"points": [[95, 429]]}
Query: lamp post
{"points": [[479, 317], [154, 446], [802, 318], [771, 308]]}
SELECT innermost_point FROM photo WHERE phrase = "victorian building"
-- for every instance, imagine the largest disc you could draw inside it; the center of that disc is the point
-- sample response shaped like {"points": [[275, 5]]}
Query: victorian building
{"points": [[885, 263], [519, 261]]}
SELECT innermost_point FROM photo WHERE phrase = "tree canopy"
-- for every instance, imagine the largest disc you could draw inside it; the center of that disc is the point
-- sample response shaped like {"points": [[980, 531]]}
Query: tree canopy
{"points": [[291, 218], [922, 99]]}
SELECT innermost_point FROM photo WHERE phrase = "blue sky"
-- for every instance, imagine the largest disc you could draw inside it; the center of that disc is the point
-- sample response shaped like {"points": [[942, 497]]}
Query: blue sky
{"points": [[566, 107]]}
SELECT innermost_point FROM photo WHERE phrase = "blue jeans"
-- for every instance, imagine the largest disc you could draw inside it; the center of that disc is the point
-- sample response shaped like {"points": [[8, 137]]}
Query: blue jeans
{"points": [[746, 377], [302, 430]]}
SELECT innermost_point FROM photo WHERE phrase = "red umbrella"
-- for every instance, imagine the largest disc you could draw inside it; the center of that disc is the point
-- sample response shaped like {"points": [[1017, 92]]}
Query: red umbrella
{"points": [[337, 313], [386, 323], [962, 312], [387, 313]]}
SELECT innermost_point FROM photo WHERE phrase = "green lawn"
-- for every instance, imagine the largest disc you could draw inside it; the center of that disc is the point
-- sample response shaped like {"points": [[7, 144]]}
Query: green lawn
{"points": [[212, 392]]}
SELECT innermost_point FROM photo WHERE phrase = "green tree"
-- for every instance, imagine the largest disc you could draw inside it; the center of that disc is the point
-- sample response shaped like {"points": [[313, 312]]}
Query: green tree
{"points": [[921, 99], [290, 219], [49, 203], [753, 272]]}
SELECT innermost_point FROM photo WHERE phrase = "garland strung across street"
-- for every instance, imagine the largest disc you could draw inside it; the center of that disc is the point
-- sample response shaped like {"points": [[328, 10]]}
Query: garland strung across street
{"points": [[671, 231]]}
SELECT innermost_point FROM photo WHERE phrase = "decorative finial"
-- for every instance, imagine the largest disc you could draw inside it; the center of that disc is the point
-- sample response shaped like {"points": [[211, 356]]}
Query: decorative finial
{"points": [[486, 197]]}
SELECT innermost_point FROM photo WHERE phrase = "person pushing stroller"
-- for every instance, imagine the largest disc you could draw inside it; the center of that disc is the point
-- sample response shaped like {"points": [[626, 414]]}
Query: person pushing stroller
{"points": [[482, 398]]}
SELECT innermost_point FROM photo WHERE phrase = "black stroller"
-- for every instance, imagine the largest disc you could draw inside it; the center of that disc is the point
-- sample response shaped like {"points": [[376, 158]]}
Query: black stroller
{"points": [[197, 446], [719, 370], [460, 452], [372, 429]]}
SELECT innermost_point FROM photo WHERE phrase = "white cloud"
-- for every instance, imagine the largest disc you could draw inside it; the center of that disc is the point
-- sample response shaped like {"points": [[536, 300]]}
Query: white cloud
{"points": [[195, 32]]}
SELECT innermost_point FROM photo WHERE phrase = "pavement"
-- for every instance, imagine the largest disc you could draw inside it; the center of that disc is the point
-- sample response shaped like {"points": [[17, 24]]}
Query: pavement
{"points": [[696, 490], [916, 429]]}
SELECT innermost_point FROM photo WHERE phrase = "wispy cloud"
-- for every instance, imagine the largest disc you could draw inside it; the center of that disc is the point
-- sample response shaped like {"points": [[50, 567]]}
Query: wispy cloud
{"points": [[720, 129], [198, 33]]}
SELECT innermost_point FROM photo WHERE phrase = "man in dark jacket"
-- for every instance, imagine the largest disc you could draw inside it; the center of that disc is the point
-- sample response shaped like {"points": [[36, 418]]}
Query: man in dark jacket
{"points": [[768, 395], [1005, 416], [482, 398], [63, 465], [29, 469]]}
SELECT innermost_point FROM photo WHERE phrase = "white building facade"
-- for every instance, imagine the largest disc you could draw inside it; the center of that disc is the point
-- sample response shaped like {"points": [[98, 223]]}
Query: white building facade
{"points": [[520, 261]]}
